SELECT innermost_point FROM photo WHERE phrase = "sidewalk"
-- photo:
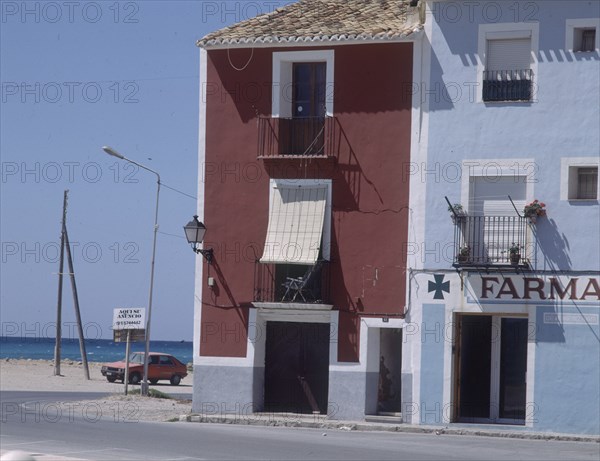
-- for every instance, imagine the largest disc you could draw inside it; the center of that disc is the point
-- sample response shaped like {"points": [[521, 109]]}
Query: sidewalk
{"points": [[321, 422]]}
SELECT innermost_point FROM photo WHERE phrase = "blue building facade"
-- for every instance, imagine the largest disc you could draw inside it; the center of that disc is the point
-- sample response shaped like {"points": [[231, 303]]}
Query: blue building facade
{"points": [[502, 323]]}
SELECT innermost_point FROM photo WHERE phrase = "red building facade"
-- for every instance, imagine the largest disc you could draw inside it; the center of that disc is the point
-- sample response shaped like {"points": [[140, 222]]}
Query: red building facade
{"points": [[303, 188]]}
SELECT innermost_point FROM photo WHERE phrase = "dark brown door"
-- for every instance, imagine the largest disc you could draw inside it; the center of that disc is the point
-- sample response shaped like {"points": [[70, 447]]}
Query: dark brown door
{"points": [[297, 367], [474, 367], [492, 369], [513, 369], [303, 134]]}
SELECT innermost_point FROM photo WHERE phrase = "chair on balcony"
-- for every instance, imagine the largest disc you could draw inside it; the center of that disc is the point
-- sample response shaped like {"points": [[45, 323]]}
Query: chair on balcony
{"points": [[302, 286]]}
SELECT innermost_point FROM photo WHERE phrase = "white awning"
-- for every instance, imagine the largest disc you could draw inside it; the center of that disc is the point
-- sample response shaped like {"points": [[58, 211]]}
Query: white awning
{"points": [[296, 216]]}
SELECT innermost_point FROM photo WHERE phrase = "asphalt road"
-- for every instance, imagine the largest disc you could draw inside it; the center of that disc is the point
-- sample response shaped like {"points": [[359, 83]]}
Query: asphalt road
{"points": [[43, 423]]}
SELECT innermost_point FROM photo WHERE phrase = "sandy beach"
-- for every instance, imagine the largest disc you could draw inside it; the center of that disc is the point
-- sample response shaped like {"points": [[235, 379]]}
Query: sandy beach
{"points": [[38, 375]]}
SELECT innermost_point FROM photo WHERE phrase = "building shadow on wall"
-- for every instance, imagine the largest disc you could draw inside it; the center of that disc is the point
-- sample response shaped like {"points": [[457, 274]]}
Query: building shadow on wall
{"points": [[554, 247], [349, 178], [551, 246], [222, 288]]}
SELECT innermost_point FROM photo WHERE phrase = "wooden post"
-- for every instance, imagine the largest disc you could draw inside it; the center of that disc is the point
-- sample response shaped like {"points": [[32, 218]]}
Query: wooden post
{"points": [[127, 346], [60, 285], [84, 361]]}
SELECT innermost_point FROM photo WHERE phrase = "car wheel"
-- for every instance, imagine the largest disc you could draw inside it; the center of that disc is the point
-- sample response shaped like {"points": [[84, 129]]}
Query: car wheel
{"points": [[153, 381], [134, 378], [175, 380], [111, 379]]}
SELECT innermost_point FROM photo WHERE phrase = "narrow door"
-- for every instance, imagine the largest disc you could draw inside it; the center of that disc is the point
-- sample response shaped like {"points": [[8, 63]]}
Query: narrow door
{"points": [[492, 368], [390, 371], [304, 133], [492, 227], [475, 366], [513, 370]]}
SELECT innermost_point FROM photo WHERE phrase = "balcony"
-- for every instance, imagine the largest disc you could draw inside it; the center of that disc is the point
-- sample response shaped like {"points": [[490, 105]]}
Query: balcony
{"points": [[507, 85], [292, 285], [491, 242], [296, 137]]}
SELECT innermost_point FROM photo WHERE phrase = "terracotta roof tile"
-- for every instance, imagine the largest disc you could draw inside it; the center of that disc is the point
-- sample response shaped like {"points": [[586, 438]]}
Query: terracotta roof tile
{"points": [[321, 20]]}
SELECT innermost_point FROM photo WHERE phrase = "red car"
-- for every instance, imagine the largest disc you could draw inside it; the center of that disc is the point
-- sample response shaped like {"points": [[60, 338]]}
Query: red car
{"points": [[160, 367]]}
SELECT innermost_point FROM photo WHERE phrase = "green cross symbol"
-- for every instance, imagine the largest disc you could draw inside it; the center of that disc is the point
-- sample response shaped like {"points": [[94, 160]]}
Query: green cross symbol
{"points": [[439, 286]]}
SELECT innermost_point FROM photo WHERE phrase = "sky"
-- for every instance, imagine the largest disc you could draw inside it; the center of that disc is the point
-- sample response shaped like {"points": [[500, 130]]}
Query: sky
{"points": [[77, 76]]}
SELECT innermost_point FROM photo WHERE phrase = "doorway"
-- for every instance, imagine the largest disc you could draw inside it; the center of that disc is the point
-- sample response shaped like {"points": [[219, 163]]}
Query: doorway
{"points": [[491, 368], [493, 226], [390, 371], [297, 367], [303, 134]]}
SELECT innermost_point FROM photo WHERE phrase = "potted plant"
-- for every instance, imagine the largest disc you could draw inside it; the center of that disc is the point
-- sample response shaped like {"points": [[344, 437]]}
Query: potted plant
{"points": [[456, 210], [464, 253], [534, 209], [514, 253]]}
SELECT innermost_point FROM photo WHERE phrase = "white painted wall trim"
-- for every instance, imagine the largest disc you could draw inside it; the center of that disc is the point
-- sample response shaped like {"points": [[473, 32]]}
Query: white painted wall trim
{"points": [[496, 167], [418, 152], [367, 324], [572, 24], [566, 163], [199, 277], [282, 79], [530, 405]]}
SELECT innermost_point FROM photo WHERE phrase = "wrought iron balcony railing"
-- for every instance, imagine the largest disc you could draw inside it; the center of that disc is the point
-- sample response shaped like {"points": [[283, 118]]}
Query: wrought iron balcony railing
{"points": [[298, 136], [508, 85], [291, 283], [491, 241]]}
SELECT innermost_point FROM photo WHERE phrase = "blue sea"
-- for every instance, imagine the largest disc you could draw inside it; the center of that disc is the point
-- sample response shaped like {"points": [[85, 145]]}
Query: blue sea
{"points": [[97, 350]]}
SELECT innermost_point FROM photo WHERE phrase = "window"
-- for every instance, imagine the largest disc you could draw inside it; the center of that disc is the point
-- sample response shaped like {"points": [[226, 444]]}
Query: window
{"points": [[287, 68], [297, 244], [493, 225], [583, 183], [507, 63], [302, 104], [579, 178], [309, 89], [587, 183], [164, 360], [508, 75], [299, 222], [582, 34], [587, 41], [303, 133]]}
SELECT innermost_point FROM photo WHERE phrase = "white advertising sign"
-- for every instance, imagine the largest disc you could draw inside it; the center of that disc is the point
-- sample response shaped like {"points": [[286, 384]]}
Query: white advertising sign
{"points": [[132, 318]]}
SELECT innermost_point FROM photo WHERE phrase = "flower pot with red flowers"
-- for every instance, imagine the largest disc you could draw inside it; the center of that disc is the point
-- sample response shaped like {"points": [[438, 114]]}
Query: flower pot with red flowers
{"points": [[534, 210]]}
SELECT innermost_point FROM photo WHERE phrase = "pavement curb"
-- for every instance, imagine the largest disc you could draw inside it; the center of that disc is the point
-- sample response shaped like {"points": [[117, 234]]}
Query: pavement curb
{"points": [[294, 421]]}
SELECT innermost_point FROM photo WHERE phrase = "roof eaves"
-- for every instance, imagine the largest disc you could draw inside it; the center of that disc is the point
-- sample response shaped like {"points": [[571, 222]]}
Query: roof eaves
{"points": [[286, 40]]}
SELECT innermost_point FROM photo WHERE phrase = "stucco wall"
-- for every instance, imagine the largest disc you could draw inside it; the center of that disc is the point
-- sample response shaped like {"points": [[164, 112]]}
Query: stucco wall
{"points": [[562, 122], [563, 352], [369, 203], [567, 377]]}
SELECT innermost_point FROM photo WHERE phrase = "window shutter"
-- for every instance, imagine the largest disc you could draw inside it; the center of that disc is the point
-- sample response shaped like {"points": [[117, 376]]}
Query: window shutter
{"points": [[296, 221], [509, 54], [489, 196]]}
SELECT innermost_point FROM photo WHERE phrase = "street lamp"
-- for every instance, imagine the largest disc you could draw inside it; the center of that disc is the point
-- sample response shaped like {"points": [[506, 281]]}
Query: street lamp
{"points": [[194, 232], [114, 153]]}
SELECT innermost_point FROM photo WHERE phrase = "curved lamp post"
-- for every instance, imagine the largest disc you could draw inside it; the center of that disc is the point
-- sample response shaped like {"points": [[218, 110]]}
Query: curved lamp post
{"points": [[114, 153], [194, 232]]}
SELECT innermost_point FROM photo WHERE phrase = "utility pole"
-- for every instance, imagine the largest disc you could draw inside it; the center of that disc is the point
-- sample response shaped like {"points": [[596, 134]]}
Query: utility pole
{"points": [[84, 361], [60, 285]]}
